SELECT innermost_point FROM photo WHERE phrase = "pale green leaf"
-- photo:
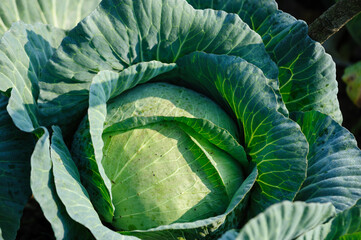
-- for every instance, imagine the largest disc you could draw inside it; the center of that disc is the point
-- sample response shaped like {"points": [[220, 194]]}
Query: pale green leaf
{"points": [[286, 221], [24, 51], [345, 225], [64, 14], [43, 188], [318, 233]]}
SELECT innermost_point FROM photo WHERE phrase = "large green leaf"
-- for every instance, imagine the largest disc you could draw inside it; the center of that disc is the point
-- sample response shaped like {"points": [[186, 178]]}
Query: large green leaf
{"points": [[286, 221], [24, 50], [15, 152], [43, 188], [273, 141], [345, 225], [64, 14], [307, 75], [119, 34], [334, 160], [318, 233]]}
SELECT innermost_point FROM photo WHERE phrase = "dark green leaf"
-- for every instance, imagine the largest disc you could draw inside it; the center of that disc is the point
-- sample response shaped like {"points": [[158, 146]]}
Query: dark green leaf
{"points": [[307, 75], [347, 224], [15, 152], [334, 161], [273, 141]]}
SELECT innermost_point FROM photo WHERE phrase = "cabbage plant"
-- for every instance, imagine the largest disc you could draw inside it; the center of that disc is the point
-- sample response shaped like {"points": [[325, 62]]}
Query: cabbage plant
{"points": [[172, 119]]}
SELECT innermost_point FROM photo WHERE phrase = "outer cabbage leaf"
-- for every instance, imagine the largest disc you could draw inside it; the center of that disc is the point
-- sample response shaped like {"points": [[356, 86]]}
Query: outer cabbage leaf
{"points": [[345, 225], [24, 50], [162, 30], [334, 160], [15, 151], [286, 221], [43, 187], [307, 75], [20, 72], [273, 141], [318, 233], [64, 14]]}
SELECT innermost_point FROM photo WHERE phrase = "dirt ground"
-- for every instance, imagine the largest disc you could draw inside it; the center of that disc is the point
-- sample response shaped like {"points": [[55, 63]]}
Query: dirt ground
{"points": [[344, 51]]}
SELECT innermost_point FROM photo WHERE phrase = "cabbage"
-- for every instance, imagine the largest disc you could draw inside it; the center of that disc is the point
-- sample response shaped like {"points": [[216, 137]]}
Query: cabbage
{"points": [[172, 119]]}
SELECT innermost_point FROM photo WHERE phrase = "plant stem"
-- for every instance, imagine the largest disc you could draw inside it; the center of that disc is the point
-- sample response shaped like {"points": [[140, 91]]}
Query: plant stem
{"points": [[333, 19]]}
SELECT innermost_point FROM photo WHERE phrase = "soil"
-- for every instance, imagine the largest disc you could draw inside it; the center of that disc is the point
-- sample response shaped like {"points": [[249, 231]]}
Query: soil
{"points": [[34, 226]]}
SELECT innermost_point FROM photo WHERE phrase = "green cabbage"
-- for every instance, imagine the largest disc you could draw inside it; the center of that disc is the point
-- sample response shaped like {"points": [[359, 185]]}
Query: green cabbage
{"points": [[162, 172], [172, 119]]}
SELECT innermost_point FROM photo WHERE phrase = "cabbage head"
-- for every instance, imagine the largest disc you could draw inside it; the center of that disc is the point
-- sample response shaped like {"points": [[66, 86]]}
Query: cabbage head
{"points": [[172, 119]]}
